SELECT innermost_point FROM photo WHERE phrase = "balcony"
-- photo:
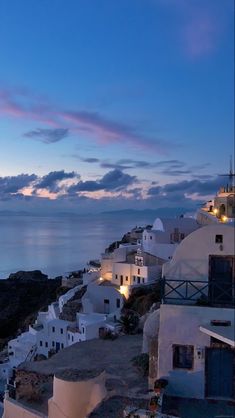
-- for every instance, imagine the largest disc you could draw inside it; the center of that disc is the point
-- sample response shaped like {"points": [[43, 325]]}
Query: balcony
{"points": [[198, 292]]}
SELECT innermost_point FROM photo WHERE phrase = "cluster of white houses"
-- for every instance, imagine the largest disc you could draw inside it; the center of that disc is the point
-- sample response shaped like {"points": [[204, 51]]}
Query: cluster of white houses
{"points": [[191, 336]]}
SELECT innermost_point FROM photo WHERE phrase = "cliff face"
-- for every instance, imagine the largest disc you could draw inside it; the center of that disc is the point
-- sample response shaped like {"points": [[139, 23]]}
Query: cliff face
{"points": [[22, 295]]}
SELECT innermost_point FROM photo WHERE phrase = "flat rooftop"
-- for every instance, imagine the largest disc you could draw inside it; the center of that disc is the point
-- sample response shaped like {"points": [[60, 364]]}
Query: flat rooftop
{"points": [[112, 356]]}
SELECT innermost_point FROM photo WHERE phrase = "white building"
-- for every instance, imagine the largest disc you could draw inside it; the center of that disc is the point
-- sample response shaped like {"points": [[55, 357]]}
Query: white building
{"points": [[164, 236], [101, 306], [196, 338], [118, 255], [138, 268], [221, 208]]}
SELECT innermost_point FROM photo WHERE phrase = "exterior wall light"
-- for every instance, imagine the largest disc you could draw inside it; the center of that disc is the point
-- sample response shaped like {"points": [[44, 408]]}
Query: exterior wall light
{"points": [[224, 218]]}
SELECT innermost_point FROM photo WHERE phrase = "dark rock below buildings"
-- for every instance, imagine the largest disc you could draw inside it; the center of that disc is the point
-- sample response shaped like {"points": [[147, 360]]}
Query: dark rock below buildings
{"points": [[22, 295], [26, 276]]}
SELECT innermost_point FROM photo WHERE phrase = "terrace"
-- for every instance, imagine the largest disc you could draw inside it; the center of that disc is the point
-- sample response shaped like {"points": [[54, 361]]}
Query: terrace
{"points": [[199, 292]]}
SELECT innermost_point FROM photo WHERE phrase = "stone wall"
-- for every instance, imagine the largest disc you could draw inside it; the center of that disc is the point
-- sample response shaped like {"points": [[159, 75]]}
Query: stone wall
{"points": [[30, 386]]}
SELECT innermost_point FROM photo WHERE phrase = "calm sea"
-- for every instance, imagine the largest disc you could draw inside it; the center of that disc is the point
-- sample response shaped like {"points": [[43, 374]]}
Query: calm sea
{"points": [[56, 245]]}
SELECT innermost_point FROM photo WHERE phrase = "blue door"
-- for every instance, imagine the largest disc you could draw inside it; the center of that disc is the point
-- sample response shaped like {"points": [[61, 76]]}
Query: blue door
{"points": [[220, 372], [221, 279]]}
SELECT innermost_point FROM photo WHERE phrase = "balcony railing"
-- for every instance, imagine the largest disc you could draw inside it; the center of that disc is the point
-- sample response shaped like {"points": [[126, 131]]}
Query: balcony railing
{"points": [[200, 292]]}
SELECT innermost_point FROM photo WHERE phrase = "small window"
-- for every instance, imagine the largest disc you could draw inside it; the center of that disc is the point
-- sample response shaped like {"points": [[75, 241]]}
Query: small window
{"points": [[143, 280], [53, 329], [219, 239], [121, 277], [83, 330], [53, 343], [61, 330], [116, 276], [106, 301], [68, 336], [62, 345], [182, 236], [72, 338], [151, 237], [40, 343], [46, 344], [126, 278], [145, 237], [183, 356], [138, 271], [138, 280], [118, 303], [134, 278]]}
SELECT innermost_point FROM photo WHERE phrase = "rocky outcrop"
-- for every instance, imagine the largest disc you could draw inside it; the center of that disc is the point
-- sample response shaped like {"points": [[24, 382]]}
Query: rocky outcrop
{"points": [[21, 297], [28, 276]]}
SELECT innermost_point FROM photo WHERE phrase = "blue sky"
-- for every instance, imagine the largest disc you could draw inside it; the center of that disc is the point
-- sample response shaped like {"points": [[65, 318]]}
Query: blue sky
{"points": [[114, 103]]}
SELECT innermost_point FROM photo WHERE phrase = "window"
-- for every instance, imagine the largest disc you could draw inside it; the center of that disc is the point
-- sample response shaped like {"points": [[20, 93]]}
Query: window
{"points": [[126, 278], [138, 271], [40, 343], [118, 303], [145, 237], [183, 356], [61, 330], [116, 276], [151, 237], [121, 277], [83, 330], [68, 336], [46, 344], [143, 280], [138, 279], [53, 329], [182, 236], [72, 338], [219, 239], [134, 278], [53, 343], [62, 345]]}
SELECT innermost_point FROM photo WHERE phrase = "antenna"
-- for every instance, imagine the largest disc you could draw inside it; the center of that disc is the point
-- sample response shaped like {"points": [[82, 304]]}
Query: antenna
{"points": [[230, 175]]}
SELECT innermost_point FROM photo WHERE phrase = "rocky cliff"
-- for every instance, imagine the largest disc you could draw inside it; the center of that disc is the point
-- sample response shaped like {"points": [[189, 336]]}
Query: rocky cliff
{"points": [[22, 295]]}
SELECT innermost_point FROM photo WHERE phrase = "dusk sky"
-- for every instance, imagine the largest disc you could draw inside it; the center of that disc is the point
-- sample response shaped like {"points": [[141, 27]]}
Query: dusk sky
{"points": [[114, 104]]}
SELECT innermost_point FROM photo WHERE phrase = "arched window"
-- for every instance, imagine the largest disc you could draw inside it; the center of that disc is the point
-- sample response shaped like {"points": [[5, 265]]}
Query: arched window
{"points": [[222, 209]]}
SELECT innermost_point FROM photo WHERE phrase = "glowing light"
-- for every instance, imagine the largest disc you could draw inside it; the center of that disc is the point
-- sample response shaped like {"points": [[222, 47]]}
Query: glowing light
{"points": [[215, 211], [124, 290], [224, 218]]}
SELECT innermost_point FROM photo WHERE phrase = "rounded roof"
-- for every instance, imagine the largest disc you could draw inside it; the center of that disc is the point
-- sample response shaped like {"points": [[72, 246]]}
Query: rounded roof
{"points": [[196, 243], [151, 326], [166, 224]]}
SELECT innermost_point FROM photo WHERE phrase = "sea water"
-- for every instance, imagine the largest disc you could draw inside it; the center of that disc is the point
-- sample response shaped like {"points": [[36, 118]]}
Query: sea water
{"points": [[60, 244]]}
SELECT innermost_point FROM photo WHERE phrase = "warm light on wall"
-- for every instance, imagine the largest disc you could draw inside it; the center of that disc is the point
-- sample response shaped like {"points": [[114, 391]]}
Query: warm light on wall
{"points": [[124, 290], [215, 211], [224, 218]]}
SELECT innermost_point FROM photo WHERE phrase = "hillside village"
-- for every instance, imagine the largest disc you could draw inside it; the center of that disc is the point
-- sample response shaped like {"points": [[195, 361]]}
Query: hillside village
{"points": [[165, 298]]}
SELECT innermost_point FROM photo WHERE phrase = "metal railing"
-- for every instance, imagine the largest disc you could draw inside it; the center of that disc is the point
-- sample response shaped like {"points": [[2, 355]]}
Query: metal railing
{"points": [[200, 292]]}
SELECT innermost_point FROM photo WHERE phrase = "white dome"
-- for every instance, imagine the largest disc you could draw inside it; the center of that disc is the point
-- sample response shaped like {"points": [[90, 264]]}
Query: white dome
{"points": [[158, 225]]}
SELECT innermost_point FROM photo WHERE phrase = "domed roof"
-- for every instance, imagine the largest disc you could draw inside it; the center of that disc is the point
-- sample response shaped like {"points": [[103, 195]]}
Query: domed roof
{"points": [[158, 225]]}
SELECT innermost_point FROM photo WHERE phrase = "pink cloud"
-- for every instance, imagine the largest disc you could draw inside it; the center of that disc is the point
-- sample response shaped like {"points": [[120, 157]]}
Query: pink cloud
{"points": [[91, 125]]}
